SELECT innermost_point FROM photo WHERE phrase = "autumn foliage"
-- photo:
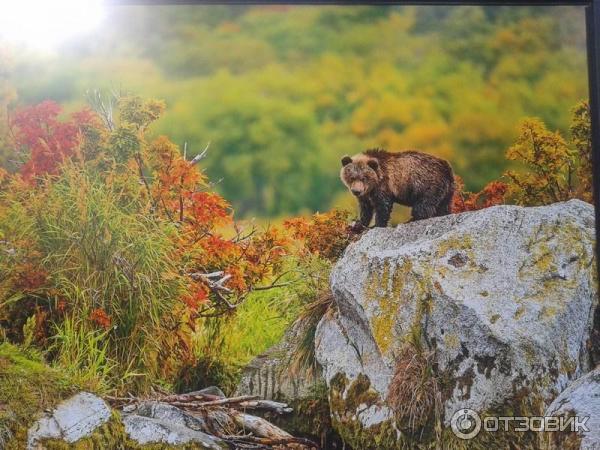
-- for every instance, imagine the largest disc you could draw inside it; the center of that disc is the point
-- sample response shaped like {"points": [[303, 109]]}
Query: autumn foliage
{"points": [[46, 140], [124, 236], [549, 168], [116, 251], [491, 195], [324, 234], [553, 169]]}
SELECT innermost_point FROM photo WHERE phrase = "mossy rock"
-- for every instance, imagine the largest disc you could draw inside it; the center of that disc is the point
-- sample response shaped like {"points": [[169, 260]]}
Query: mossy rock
{"points": [[499, 301]]}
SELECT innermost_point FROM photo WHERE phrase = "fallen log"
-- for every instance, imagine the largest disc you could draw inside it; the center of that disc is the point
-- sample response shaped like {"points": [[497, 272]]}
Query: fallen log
{"points": [[271, 442], [258, 426], [267, 405]]}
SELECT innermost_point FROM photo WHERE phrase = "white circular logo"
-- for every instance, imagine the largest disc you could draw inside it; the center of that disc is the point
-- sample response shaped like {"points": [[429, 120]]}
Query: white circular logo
{"points": [[465, 423]]}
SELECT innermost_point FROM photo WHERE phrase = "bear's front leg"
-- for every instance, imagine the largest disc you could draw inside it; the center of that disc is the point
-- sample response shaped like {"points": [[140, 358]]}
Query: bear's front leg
{"points": [[383, 210], [366, 211]]}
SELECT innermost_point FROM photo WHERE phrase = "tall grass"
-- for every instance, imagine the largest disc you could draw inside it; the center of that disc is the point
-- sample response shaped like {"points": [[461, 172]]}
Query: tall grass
{"points": [[259, 324], [82, 354], [228, 344], [104, 251], [224, 345]]}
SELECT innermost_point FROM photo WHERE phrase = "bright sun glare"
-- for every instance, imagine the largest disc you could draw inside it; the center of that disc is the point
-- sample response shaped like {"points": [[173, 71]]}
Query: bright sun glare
{"points": [[44, 24]]}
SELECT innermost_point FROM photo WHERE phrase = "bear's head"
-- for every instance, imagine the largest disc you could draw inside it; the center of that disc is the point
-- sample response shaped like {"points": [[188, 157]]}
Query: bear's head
{"points": [[360, 174]]}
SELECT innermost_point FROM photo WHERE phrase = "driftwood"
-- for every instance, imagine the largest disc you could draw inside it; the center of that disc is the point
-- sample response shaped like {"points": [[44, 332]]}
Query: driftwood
{"points": [[227, 418]]}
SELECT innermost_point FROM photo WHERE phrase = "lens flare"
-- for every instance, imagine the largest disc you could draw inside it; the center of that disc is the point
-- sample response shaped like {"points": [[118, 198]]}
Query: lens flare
{"points": [[44, 25]]}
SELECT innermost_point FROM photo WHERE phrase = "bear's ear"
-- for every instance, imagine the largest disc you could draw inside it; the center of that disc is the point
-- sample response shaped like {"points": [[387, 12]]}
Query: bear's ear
{"points": [[346, 160], [373, 164]]}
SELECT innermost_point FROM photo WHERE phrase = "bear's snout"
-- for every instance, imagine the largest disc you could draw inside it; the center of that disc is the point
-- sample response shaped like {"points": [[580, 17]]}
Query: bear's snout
{"points": [[356, 192]]}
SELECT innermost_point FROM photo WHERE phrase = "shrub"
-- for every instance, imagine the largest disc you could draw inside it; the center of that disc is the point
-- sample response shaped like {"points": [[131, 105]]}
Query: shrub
{"points": [[324, 234], [555, 169], [491, 195], [552, 169], [118, 247], [581, 139]]}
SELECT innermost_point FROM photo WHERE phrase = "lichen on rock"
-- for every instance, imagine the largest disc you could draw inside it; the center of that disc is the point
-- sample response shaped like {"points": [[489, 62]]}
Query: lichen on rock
{"points": [[502, 299]]}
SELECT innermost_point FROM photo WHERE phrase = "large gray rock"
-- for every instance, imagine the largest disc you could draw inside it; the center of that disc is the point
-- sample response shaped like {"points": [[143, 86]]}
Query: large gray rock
{"points": [[500, 299], [70, 421], [154, 422], [582, 400]]}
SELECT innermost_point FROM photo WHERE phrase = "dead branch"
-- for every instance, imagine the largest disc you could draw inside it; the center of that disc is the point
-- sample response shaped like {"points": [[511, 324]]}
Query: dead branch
{"points": [[104, 110], [229, 401], [225, 418], [213, 285], [272, 442], [200, 155]]}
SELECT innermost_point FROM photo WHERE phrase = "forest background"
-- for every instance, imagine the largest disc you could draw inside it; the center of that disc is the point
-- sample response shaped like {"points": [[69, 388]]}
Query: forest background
{"points": [[282, 92]]}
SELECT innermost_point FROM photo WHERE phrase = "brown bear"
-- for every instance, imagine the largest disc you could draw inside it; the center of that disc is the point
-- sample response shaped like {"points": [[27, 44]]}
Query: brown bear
{"points": [[379, 179]]}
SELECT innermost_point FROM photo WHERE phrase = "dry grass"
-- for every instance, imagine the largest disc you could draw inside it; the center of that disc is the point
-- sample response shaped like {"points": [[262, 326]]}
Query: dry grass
{"points": [[302, 359], [414, 390]]}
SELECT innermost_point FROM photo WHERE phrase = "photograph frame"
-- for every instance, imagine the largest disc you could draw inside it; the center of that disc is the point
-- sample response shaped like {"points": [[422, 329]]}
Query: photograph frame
{"points": [[550, 44]]}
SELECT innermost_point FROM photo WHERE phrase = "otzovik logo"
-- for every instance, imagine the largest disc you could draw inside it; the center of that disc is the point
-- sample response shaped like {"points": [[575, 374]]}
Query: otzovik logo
{"points": [[466, 424]]}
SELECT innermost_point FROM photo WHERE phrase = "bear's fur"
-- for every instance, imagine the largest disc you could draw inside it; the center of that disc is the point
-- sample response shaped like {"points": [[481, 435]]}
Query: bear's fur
{"points": [[379, 179]]}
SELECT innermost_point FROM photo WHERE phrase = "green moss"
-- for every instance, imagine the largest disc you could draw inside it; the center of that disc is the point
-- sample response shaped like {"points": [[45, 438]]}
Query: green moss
{"points": [[382, 436], [519, 312], [311, 417], [543, 264], [451, 341], [27, 387], [346, 399], [387, 436], [360, 393], [547, 312]]}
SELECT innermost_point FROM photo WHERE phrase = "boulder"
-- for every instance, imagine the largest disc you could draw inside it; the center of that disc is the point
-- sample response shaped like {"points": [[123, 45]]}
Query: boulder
{"points": [[580, 400], [155, 422], [478, 310], [71, 420]]}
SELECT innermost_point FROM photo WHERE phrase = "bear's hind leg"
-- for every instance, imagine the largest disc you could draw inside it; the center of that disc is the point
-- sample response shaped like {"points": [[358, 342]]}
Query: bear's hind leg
{"points": [[443, 208], [423, 210]]}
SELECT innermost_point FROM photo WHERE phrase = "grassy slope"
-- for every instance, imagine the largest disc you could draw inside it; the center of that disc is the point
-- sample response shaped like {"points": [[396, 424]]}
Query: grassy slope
{"points": [[27, 387]]}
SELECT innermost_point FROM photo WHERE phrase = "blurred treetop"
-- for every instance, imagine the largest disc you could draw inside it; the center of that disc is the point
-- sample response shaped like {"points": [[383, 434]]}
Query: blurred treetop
{"points": [[281, 92]]}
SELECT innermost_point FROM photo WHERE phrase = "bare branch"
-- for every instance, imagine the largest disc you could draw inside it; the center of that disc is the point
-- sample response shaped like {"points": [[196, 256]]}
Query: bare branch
{"points": [[200, 155], [104, 110]]}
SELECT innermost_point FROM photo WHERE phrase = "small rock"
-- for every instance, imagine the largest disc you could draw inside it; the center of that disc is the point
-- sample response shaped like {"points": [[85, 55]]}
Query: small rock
{"points": [[71, 420]]}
